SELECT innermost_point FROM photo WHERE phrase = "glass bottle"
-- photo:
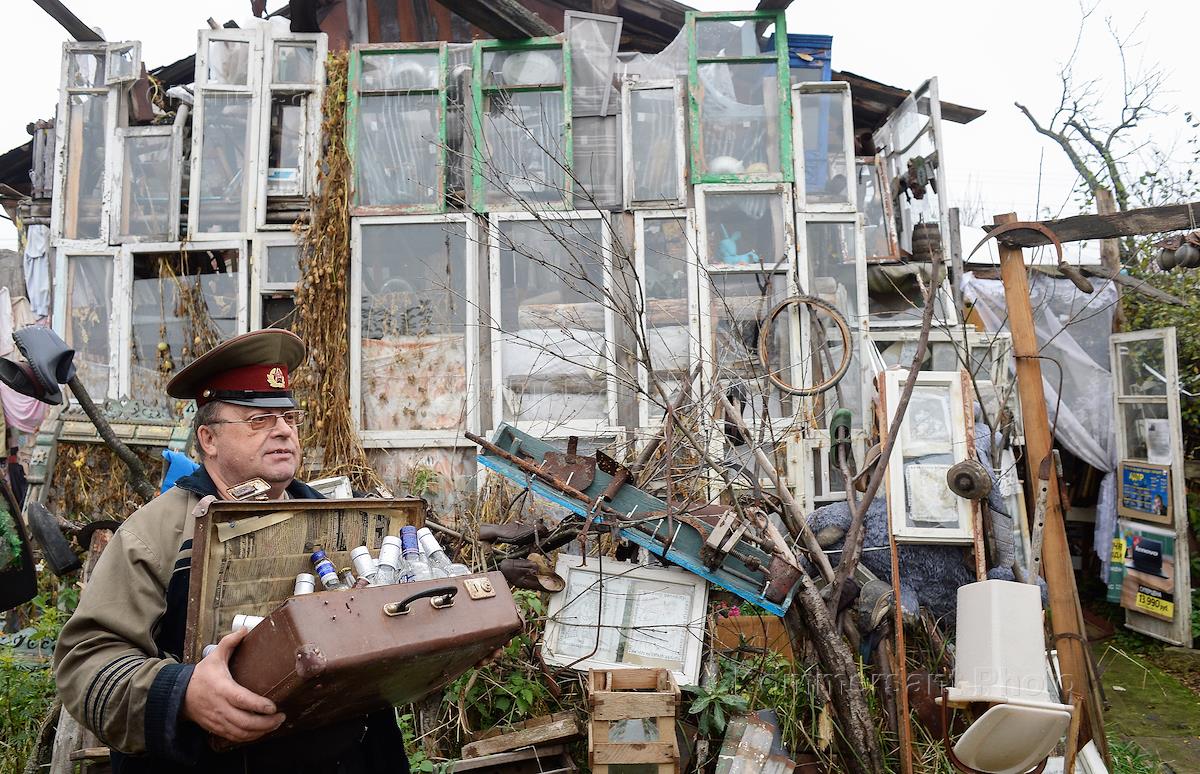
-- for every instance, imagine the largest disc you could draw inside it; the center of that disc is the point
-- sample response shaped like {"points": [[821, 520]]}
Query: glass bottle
{"points": [[437, 556], [364, 565], [418, 568], [390, 562], [327, 572]]}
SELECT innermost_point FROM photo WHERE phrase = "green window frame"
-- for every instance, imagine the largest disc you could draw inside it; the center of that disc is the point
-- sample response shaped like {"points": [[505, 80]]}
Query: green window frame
{"points": [[356, 141], [482, 93], [779, 58]]}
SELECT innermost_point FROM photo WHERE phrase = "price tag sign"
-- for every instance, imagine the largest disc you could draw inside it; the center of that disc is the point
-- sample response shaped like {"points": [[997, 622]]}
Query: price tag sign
{"points": [[1118, 551], [1151, 602]]}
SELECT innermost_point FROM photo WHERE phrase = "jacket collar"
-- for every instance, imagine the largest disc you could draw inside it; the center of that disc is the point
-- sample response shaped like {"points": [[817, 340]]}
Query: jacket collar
{"points": [[201, 484]]}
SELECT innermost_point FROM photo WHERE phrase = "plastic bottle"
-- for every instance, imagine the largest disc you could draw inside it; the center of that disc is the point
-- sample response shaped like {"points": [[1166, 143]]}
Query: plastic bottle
{"points": [[418, 568], [437, 556], [364, 565], [349, 579], [327, 572], [305, 584], [390, 562]]}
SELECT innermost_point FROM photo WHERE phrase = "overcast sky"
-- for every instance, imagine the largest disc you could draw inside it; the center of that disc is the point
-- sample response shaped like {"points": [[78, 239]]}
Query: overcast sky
{"points": [[986, 61]]}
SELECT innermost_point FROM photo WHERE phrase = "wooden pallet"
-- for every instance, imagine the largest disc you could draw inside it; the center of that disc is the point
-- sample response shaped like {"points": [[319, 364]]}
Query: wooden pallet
{"points": [[617, 696]]}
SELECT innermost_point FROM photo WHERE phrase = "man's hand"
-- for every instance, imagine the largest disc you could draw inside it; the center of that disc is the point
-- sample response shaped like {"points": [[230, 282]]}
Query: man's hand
{"points": [[219, 705]]}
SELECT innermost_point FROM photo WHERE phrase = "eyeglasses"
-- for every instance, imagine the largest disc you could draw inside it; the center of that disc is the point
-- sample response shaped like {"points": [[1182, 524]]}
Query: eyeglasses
{"points": [[260, 422]]}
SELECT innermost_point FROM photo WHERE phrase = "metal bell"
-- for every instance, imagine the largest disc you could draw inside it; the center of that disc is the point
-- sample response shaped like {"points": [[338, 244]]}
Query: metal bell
{"points": [[969, 479]]}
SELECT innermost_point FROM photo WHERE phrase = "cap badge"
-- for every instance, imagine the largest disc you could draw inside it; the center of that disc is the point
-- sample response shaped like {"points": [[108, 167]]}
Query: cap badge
{"points": [[276, 379]]}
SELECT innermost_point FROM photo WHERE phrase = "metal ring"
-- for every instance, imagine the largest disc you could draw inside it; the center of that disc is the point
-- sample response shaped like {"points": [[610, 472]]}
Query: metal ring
{"points": [[764, 336]]}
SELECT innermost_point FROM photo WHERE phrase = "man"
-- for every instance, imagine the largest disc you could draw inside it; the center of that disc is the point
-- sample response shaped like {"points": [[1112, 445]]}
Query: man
{"points": [[118, 660]]}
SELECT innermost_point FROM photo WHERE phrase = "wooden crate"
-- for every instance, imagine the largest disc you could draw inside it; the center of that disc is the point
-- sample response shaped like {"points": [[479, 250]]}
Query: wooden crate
{"points": [[618, 696]]}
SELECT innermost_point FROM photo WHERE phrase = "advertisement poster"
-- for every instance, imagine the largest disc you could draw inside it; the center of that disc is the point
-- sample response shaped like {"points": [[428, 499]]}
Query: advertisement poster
{"points": [[1145, 492], [1142, 571]]}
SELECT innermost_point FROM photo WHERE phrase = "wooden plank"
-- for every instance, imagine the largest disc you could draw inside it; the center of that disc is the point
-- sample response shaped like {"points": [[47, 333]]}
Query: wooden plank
{"points": [[1147, 220], [632, 679], [506, 19], [634, 752], [623, 706], [541, 754], [564, 728], [765, 631]]}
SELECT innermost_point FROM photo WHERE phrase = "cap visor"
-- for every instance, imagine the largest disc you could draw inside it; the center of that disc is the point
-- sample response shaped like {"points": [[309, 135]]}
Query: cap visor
{"points": [[280, 402]]}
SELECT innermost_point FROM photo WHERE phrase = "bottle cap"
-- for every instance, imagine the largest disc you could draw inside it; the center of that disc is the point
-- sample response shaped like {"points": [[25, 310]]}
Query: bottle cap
{"points": [[428, 542], [363, 564], [360, 551], [408, 536], [318, 555], [243, 621], [305, 584], [389, 552]]}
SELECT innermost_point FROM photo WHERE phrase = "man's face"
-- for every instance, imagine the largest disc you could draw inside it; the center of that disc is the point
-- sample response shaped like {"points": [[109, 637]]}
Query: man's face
{"points": [[239, 453]]}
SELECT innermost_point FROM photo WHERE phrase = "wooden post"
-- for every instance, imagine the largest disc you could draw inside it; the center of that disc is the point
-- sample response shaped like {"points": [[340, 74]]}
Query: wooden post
{"points": [[1065, 611], [956, 263], [1110, 250]]}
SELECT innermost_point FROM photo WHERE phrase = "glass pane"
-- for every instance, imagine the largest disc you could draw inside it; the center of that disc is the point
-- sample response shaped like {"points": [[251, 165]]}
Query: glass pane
{"points": [[1147, 432], [525, 150], [593, 56], [654, 145], [85, 71], [535, 67], [223, 163], [293, 63], [279, 311], [928, 433], [552, 321], [831, 259], [121, 64], [665, 242], [89, 307], [286, 162], [283, 264], [872, 203], [745, 229], [229, 62], [414, 307], [720, 38], [907, 142], [146, 200], [184, 304], [597, 162], [739, 118], [822, 121], [1143, 369], [399, 72], [739, 306], [396, 158], [87, 141]]}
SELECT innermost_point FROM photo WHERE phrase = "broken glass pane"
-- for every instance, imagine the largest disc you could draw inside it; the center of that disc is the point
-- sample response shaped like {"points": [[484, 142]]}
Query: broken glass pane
{"points": [[228, 62], [396, 157], [286, 159], [283, 264], [593, 45], [535, 67], [122, 64], [739, 118], [823, 124], [414, 313], [85, 70], [654, 145], [876, 212], [89, 293], [183, 305], [597, 162], [400, 71], [279, 311], [552, 320], [225, 140], [745, 228], [525, 150], [908, 141], [739, 306], [146, 200], [722, 38], [293, 63], [87, 141], [665, 241]]}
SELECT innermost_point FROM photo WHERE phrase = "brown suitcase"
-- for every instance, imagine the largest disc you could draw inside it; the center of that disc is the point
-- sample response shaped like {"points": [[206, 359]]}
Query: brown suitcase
{"points": [[333, 655]]}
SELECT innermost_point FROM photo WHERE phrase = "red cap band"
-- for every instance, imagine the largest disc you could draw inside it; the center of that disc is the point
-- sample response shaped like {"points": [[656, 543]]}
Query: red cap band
{"points": [[252, 378]]}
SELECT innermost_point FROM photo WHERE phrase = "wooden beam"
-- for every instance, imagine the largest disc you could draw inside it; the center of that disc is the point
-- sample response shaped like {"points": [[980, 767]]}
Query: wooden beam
{"points": [[1148, 220], [69, 21], [1065, 611], [506, 19]]}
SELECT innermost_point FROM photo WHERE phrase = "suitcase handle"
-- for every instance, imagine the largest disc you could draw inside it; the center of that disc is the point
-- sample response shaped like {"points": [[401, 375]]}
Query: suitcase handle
{"points": [[439, 597]]}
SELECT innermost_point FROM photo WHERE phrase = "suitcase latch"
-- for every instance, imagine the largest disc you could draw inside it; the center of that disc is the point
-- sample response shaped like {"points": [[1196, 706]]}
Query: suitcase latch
{"points": [[479, 588]]}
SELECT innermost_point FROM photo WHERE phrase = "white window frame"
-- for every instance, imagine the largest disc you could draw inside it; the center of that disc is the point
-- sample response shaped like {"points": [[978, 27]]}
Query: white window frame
{"points": [[260, 261], [62, 257], [113, 119], [568, 17], [254, 67], [695, 349], [123, 294], [409, 439], [824, 87], [961, 443], [629, 86], [784, 190], [581, 428], [175, 133], [112, 50], [315, 92], [806, 474]]}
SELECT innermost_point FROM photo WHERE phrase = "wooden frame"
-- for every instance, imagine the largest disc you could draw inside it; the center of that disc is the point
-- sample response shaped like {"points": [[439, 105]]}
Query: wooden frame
{"points": [[354, 121], [883, 189], [779, 58], [119, 203], [631, 86], [260, 265], [783, 191], [568, 17], [113, 55], [798, 94], [62, 307], [1179, 630], [606, 579], [481, 91], [313, 92], [619, 696], [403, 439], [958, 446], [590, 427]]}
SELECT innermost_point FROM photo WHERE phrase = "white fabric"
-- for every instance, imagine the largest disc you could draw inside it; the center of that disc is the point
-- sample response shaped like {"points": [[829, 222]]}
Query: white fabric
{"points": [[1073, 329], [37, 269], [6, 323]]}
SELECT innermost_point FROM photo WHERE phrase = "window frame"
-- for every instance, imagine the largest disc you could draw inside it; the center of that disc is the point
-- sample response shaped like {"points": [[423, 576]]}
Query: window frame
{"points": [[62, 258], [354, 120], [260, 264], [782, 75], [415, 439], [629, 86], [583, 428], [701, 194], [568, 16], [478, 193], [112, 49], [173, 131], [798, 91]]}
